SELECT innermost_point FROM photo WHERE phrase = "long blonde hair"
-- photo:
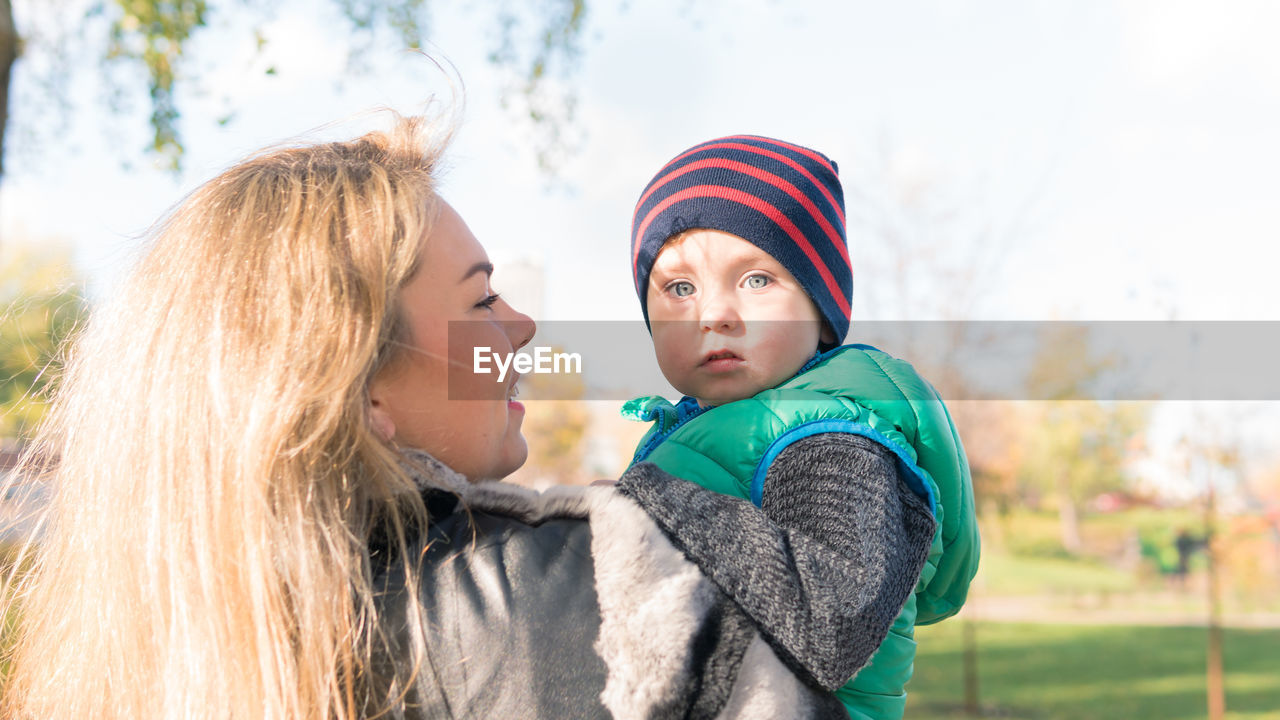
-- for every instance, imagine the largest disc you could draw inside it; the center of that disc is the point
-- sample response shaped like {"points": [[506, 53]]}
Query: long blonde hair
{"points": [[213, 471]]}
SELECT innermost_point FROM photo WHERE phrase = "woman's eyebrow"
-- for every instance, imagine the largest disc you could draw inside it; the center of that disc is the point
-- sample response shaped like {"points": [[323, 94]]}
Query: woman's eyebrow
{"points": [[484, 267]]}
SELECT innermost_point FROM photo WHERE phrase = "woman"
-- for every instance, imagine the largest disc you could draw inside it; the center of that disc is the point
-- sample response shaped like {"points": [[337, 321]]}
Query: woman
{"points": [[265, 501]]}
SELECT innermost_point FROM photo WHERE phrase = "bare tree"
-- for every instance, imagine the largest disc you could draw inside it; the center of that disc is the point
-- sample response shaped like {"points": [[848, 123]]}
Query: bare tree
{"points": [[932, 253]]}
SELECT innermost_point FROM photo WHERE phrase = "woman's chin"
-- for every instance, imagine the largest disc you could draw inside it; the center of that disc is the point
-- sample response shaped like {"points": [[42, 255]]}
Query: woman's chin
{"points": [[514, 458]]}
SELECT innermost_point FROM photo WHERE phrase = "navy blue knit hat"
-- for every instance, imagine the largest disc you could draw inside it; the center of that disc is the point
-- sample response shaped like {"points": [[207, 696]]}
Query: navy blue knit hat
{"points": [[783, 198]]}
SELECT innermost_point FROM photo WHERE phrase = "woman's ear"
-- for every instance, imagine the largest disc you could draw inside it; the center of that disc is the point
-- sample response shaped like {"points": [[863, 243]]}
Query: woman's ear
{"points": [[379, 418]]}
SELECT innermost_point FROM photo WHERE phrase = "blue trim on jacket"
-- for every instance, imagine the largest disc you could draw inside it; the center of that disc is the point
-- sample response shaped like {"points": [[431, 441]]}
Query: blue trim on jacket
{"points": [[912, 473]]}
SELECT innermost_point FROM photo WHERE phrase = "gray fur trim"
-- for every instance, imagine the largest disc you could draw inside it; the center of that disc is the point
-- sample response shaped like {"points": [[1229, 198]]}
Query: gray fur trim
{"points": [[673, 644], [652, 603], [431, 474], [656, 609], [766, 690], [528, 506]]}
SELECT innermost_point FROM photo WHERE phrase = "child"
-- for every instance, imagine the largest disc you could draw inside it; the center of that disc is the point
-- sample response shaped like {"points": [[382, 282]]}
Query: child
{"points": [[740, 261]]}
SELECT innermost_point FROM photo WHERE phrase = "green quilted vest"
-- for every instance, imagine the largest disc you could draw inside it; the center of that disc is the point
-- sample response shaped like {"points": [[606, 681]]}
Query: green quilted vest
{"points": [[855, 389]]}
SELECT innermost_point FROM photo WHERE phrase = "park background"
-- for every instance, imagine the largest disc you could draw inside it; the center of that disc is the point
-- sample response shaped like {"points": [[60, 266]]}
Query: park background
{"points": [[1003, 161]]}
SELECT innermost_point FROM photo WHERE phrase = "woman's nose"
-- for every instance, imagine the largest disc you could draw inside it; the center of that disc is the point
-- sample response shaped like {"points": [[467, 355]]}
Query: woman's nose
{"points": [[520, 327]]}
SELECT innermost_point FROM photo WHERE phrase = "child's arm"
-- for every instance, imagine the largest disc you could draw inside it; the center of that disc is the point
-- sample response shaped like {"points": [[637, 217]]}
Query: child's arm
{"points": [[827, 566]]}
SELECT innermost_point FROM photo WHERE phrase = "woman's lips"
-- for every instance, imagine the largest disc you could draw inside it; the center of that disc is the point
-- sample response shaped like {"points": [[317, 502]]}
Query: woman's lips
{"points": [[512, 393]]}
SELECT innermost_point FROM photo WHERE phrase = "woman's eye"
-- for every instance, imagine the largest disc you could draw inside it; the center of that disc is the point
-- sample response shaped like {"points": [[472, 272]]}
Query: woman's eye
{"points": [[755, 282], [488, 301], [682, 289]]}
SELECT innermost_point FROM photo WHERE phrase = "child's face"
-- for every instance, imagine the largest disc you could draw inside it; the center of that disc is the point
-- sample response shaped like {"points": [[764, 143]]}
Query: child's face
{"points": [[728, 319]]}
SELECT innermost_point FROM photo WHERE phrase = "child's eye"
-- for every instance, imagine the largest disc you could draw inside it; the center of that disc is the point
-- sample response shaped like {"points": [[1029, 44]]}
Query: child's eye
{"points": [[488, 301], [755, 282], [681, 289]]}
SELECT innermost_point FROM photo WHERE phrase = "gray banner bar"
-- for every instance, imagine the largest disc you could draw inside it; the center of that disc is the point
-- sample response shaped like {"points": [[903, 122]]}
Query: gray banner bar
{"points": [[1051, 360]]}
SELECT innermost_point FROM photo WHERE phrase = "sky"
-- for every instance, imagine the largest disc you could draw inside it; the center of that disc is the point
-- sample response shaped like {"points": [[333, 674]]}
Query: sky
{"points": [[1107, 160], [1127, 150]]}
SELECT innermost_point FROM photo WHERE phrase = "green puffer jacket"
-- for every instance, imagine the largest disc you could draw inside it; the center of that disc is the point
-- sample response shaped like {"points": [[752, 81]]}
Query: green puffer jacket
{"points": [[855, 389]]}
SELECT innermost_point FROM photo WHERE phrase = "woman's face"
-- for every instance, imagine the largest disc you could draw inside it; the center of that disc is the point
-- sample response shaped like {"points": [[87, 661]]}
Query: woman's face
{"points": [[429, 397]]}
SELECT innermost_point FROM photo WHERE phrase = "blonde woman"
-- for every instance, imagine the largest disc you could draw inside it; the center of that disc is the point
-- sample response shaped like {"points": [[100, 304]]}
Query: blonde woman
{"points": [[268, 497]]}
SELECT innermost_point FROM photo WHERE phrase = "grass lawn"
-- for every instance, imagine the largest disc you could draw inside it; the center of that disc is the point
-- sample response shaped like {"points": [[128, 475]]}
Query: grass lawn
{"points": [[1073, 672], [1004, 574]]}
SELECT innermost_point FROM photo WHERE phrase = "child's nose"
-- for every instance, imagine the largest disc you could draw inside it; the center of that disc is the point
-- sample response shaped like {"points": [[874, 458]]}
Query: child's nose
{"points": [[718, 315]]}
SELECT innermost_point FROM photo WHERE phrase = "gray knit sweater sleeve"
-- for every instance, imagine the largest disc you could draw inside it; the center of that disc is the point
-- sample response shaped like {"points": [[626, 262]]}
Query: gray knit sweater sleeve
{"points": [[825, 568]]}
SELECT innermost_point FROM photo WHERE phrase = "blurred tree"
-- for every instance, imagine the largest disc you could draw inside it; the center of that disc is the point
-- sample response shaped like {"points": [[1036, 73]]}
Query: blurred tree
{"points": [[555, 431], [152, 38], [926, 246], [1078, 449], [934, 256], [555, 427], [1078, 446], [928, 254], [40, 307], [993, 432], [1064, 367]]}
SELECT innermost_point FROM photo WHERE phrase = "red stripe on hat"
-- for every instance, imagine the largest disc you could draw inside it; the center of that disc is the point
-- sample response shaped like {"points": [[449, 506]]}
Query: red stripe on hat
{"points": [[841, 249], [755, 203], [816, 157], [752, 149]]}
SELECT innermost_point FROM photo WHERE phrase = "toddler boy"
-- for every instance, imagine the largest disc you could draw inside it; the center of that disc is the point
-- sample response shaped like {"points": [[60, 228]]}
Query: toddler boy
{"points": [[740, 262]]}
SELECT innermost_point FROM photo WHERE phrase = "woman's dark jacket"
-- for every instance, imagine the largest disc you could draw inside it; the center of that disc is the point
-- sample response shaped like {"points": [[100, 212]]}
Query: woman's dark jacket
{"points": [[654, 598]]}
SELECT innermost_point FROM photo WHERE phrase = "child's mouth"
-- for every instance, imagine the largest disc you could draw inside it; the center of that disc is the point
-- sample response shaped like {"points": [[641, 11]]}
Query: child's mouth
{"points": [[721, 360]]}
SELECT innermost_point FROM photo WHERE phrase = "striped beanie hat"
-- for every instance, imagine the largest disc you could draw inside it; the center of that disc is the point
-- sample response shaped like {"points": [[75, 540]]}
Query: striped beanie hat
{"points": [[783, 198]]}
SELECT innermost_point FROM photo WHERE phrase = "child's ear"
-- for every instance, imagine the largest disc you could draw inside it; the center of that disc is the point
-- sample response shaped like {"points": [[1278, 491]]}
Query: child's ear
{"points": [[827, 336]]}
